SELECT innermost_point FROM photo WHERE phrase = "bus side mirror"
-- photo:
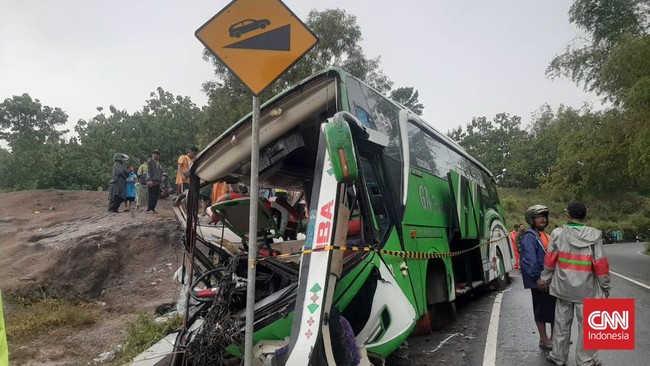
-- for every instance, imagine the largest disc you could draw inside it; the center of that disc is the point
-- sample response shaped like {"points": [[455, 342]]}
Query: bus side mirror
{"points": [[340, 147]]}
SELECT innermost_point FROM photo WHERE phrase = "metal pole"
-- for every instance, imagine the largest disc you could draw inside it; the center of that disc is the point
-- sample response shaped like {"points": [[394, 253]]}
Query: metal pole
{"points": [[252, 234]]}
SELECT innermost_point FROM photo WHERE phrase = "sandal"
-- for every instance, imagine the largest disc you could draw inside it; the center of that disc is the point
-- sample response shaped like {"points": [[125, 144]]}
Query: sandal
{"points": [[546, 347]]}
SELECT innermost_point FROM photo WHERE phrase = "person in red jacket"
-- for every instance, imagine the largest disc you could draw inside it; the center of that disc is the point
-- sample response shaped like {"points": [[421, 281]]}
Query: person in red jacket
{"points": [[517, 230]]}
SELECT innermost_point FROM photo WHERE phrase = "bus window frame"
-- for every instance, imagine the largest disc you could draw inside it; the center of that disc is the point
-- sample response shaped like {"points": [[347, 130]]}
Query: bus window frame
{"points": [[481, 175]]}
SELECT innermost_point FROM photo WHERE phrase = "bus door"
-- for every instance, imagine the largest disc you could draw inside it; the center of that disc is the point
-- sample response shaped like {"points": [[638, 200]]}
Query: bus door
{"points": [[424, 227], [465, 229]]}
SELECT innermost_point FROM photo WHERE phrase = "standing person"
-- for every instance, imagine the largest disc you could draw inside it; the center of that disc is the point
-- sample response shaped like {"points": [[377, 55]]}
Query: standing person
{"points": [[130, 188], [142, 185], [577, 268], [531, 265], [154, 178], [117, 185], [513, 242], [206, 199], [184, 165]]}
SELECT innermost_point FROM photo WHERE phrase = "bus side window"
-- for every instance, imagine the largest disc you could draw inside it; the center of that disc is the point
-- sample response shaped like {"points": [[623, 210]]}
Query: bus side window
{"points": [[377, 199]]}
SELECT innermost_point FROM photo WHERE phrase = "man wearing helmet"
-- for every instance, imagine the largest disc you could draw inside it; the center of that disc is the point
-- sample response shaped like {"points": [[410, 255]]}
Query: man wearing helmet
{"points": [[533, 250], [117, 184]]}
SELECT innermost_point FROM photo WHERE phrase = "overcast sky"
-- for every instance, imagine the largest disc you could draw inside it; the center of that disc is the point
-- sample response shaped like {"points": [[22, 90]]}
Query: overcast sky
{"points": [[466, 58]]}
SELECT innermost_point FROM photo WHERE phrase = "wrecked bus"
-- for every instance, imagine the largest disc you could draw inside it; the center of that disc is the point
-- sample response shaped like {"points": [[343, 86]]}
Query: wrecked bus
{"points": [[399, 221]]}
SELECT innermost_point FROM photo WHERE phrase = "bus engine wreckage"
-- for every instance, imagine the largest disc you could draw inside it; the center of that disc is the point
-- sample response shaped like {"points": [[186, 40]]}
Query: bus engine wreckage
{"points": [[398, 221]]}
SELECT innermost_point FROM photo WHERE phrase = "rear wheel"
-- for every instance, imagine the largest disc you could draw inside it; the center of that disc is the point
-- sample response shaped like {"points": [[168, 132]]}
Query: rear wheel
{"points": [[442, 315]]}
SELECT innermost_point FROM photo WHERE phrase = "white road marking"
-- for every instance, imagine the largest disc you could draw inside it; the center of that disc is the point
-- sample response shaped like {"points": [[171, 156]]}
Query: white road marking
{"points": [[631, 280], [490, 354]]}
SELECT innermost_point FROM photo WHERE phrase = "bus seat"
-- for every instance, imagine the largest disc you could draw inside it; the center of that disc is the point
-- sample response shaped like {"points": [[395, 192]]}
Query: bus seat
{"points": [[233, 209]]}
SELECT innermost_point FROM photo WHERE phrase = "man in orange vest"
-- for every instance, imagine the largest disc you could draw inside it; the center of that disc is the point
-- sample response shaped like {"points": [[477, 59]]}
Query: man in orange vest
{"points": [[184, 164], [518, 229]]}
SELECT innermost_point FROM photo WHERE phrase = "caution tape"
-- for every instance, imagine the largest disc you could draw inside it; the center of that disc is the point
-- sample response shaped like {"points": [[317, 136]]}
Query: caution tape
{"points": [[395, 253]]}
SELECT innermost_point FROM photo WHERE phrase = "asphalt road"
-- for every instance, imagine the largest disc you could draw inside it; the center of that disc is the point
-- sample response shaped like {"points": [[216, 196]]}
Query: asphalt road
{"points": [[464, 343]]}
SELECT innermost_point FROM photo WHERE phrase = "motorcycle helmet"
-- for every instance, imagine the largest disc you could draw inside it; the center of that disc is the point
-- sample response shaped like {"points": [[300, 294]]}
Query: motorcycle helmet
{"points": [[535, 210], [120, 157]]}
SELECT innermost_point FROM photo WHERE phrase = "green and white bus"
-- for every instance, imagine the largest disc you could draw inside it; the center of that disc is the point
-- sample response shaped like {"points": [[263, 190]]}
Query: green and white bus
{"points": [[401, 221]]}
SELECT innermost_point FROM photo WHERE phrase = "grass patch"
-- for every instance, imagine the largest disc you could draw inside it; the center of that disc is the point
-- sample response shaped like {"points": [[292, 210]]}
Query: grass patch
{"points": [[628, 212], [143, 332], [27, 318]]}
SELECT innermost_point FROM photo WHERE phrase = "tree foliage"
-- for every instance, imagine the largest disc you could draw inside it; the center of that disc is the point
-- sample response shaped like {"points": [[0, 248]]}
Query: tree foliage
{"points": [[25, 122], [608, 25], [32, 132], [409, 98], [494, 143], [41, 158], [608, 151]]}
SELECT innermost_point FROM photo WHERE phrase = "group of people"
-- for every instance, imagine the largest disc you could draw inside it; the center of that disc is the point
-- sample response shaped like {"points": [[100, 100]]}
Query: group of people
{"points": [[561, 271], [142, 188]]}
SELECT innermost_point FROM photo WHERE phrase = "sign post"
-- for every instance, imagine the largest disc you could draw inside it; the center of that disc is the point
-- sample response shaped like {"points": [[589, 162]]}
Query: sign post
{"points": [[258, 41], [252, 236]]}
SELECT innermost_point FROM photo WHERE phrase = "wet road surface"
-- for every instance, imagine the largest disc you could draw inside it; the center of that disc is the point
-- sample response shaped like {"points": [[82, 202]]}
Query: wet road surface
{"points": [[463, 343]]}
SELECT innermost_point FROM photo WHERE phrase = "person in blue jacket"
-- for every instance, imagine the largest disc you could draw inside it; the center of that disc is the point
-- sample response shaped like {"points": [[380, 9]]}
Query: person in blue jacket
{"points": [[131, 192], [531, 263]]}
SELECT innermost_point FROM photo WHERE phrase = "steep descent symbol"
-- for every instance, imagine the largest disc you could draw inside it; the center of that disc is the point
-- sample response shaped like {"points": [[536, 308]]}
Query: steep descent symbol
{"points": [[247, 25], [278, 39]]}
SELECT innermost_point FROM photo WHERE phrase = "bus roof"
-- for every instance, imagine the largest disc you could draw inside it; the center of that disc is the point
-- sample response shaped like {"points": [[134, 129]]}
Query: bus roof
{"points": [[323, 81]]}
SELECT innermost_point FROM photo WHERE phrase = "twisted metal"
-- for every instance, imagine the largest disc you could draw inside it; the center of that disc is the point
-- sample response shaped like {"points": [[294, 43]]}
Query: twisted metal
{"points": [[221, 326]]}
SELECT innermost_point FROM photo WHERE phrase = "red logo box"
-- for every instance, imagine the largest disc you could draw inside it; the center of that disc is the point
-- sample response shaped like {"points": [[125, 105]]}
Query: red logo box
{"points": [[608, 324]]}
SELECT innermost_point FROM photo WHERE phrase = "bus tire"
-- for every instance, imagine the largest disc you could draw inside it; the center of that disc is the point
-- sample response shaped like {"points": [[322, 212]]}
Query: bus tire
{"points": [[502, 280], [441, 315]]}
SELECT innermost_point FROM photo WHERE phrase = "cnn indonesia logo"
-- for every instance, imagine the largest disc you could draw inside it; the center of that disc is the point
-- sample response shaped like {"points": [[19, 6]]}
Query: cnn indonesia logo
{"points": [[609, 324]]}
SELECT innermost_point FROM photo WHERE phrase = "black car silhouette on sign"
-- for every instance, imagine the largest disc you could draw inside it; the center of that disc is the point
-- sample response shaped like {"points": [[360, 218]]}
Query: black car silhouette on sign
{"points": [[247, 25]]}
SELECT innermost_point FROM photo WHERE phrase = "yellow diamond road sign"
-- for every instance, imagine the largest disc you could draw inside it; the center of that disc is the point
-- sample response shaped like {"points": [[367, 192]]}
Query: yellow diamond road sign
{"points": [[258, 40]]}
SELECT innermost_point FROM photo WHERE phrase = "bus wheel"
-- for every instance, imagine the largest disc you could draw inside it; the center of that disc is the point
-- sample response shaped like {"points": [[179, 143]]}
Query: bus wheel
{"points": [[442, 315], [502, 279]]}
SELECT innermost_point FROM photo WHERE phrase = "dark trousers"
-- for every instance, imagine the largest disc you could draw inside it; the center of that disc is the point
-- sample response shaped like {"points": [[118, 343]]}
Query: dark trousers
{"points": [[114, 204], [154, 193]]}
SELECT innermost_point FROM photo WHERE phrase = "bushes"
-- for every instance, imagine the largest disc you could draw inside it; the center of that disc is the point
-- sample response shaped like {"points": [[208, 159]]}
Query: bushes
{"points": [[628, 212], [143, 332]]}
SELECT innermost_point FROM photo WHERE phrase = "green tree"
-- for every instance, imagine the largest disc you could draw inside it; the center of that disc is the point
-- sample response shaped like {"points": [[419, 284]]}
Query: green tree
{"points": [[614, 62], [25, 122], [166, 122], [409, 98], [608, 24], [492, 143], [32, 132], [590, 153]]}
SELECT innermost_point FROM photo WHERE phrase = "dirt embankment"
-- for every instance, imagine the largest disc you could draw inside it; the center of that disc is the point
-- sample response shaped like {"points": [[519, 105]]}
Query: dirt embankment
{"points": [[63, 244]]}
